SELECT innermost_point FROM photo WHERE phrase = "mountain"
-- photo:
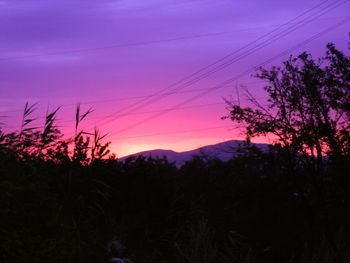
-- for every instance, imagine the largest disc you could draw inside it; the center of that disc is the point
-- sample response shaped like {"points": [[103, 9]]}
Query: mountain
{"points": [[223, 151]]}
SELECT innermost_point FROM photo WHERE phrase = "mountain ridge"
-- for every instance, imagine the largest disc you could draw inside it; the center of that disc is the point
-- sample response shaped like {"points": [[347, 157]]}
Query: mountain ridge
{"points": [[223, 151]]}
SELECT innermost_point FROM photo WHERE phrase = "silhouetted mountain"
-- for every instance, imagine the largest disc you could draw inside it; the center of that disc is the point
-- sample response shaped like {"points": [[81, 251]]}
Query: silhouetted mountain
{"points": [[223, 151]]}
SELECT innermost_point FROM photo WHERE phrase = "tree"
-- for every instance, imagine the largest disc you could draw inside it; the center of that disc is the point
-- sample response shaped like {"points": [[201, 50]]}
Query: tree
{"points": [[308, 109]]}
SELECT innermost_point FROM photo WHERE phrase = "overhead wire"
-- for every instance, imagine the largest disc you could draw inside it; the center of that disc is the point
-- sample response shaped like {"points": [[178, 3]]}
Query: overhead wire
{"points": [[146, 103], [158, 93], [233, 78], [242, 56]]}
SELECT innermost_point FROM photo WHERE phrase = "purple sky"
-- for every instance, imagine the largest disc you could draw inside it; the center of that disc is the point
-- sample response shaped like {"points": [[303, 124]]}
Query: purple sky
{"points": [[60, 52]]}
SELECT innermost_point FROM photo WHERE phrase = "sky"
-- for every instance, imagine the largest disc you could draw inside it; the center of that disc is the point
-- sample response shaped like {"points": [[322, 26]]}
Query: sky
{"points": [[136, 62]]}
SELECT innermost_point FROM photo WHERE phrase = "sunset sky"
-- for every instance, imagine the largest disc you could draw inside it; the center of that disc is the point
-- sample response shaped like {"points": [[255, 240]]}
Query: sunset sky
{"points": [[121, 56]]}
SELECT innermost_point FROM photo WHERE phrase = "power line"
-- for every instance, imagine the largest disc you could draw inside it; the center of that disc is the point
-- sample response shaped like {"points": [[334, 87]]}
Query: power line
{"points": [[204, 75], [199, 89], [225, 57], [225, 83], [145, 98], [241, 55], [236, 77], [144, 103], [134, 97], [212, 71]]}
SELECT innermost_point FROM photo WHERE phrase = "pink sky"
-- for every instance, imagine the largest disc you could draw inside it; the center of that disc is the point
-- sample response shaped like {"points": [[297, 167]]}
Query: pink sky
{"points": [[107, 53]]}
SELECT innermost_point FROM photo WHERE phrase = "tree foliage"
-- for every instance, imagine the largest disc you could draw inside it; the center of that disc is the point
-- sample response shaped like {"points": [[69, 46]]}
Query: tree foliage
{"points": [[308, 106]]}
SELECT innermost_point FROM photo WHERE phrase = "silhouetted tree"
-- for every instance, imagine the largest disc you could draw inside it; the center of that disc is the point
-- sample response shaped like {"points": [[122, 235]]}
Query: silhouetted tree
{"points": [[308, 105]]}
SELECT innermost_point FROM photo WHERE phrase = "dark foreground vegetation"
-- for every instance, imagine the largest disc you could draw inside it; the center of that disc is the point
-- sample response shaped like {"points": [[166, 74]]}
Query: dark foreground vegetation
{"points": [[65, 200]]}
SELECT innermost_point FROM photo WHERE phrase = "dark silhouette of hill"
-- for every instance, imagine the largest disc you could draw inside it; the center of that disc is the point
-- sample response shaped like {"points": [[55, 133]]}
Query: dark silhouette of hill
{"points": [[223, 151]]}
